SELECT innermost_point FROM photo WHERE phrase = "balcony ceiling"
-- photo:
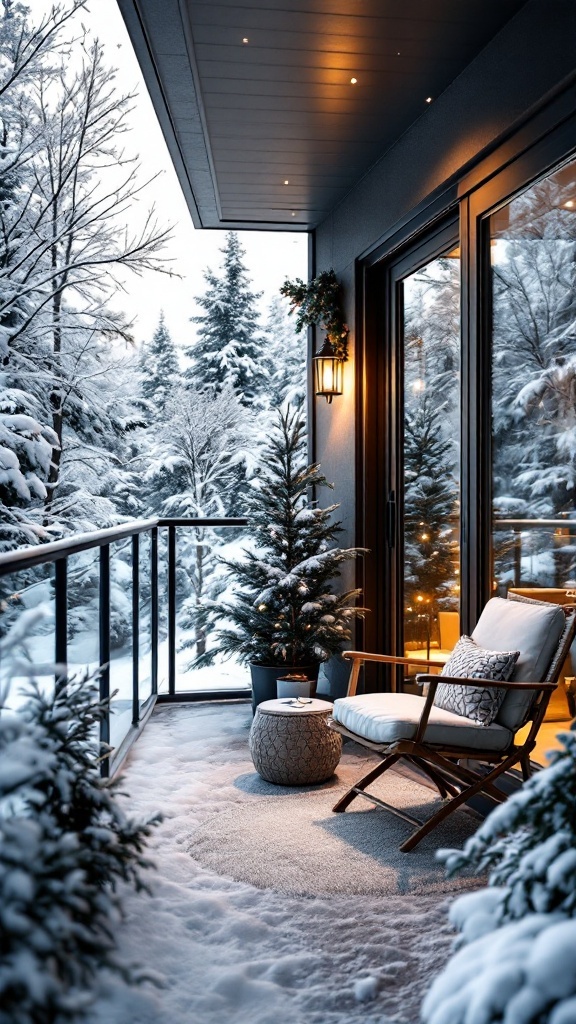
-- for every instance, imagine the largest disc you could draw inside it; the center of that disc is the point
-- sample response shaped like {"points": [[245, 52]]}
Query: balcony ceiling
{"points": [[242, 118]]}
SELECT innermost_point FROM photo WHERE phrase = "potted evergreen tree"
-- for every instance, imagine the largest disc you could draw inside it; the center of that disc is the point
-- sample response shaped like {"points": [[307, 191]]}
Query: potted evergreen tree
{"points": [[285, 617]]}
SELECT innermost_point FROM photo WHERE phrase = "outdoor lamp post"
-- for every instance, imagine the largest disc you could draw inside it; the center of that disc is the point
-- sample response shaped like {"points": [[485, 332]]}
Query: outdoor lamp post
{"points": [[328, 372]]}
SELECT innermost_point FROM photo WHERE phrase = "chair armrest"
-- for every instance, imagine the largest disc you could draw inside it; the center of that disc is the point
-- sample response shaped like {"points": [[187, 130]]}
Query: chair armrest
{"points": [[359, 657], [390, 659], [424, 677]]}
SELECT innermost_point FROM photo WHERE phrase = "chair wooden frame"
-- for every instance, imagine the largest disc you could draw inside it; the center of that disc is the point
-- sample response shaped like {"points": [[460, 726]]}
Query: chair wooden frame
{"points": [[455, 782]]}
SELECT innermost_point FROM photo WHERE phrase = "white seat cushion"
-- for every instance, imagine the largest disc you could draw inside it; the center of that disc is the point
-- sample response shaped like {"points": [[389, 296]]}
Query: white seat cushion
{"points": [[386, 717], [532, 629]]}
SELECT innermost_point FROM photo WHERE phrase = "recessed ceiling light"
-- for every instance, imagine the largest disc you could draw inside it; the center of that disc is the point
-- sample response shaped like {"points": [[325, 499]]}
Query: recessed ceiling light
{"points": [[353, 81], [398, 54], [293, 213], [245, 40], [286, 182], [569, 203], [428, 99]]}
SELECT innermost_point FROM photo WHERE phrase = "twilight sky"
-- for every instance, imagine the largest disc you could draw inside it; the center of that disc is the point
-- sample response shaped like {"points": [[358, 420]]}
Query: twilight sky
{"points": [[270, 256]]}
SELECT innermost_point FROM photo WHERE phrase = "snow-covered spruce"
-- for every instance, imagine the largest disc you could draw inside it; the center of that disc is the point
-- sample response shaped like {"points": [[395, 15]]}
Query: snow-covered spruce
{"points": [[528, 844], [230, 347], [523, 973], [517, 961], [285, 612], [65, 845]]}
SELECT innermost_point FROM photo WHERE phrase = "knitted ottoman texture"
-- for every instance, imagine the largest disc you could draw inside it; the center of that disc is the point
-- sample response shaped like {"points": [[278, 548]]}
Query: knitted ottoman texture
{"points": [[291, 744]]}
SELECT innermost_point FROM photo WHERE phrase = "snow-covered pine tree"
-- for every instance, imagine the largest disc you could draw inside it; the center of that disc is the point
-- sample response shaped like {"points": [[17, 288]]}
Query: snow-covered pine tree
{"points": [[287, 356], [230, 347], [430, 501], [284, 611], [159, 366], [65, 845], [517, 960]]}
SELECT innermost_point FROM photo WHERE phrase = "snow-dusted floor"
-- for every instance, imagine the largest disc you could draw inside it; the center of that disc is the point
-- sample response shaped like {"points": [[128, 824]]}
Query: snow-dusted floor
{"points": [[224, 952]]}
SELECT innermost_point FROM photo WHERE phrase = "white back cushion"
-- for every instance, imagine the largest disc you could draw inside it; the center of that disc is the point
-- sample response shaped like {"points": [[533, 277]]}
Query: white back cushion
{"points": [[532, 629]]}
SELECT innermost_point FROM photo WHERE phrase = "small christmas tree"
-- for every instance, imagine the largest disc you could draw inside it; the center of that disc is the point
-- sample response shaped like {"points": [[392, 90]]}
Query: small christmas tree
{"points": [[285, 612]]}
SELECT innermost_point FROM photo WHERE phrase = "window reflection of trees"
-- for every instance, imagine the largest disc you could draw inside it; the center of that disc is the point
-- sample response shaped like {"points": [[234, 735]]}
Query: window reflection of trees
{"points": [[431, 448], [534, 381]]}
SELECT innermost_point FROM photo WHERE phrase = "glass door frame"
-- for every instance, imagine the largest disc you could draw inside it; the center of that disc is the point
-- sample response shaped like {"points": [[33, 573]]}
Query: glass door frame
{"points": [[382, 433]]}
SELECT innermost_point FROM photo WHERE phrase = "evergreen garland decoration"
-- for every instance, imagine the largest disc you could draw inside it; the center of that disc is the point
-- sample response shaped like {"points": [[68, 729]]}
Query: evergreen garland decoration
{"points": [[65, 845], [285, 613], [319, 302]]}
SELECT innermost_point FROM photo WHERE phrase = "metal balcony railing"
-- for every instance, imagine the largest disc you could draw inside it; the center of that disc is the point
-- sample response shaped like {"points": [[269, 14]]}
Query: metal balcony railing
{"points": [[142, 537]]}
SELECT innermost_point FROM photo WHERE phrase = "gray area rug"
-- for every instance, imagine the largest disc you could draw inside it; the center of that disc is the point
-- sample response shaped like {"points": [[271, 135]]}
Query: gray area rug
{"points": [[297, 845]]}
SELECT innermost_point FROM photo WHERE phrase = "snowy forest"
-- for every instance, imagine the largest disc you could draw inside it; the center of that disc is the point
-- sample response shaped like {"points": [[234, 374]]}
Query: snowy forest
{"points": [[98, 425]]}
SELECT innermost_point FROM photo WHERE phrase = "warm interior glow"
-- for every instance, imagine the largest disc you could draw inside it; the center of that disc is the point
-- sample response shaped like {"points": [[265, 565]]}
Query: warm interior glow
{"points": [[353, 81]]}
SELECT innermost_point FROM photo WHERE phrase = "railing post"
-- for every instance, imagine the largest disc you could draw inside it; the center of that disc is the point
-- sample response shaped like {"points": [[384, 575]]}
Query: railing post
{"points": [[171, 610], [105, 648], [154, 607], [135, 629], [61, 615]]}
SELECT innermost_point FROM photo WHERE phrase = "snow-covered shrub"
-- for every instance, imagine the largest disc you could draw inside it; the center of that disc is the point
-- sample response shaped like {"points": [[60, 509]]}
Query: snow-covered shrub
{"points": [[65, 845], [516, 961], [523, 973], [528, 844]]}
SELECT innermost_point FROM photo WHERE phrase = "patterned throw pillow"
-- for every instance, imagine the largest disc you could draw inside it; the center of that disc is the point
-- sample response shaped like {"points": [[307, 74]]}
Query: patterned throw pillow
{"points": [[468, 660]]}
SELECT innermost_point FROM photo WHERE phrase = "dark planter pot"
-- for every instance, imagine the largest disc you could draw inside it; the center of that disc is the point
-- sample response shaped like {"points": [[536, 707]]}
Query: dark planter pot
{"points": [[264, 679]]}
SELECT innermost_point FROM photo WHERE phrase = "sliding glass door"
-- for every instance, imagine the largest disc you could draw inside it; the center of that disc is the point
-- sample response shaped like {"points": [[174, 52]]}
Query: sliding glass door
{"points": [[430, 412], [533, 250]]}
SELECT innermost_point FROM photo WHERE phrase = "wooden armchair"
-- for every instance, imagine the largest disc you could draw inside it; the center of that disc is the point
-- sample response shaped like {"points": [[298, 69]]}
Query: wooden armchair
{"points": [[441, 743]]}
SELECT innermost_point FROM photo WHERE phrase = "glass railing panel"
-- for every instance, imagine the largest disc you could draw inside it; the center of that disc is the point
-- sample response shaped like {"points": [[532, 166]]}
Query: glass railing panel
{"points": [[201, 582], [144, 632], [83, 632], [120, 640], [28, 593]]}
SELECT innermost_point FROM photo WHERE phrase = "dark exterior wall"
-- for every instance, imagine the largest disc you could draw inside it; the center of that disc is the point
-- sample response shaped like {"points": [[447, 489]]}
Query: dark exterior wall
{"points": [[531, 57]]}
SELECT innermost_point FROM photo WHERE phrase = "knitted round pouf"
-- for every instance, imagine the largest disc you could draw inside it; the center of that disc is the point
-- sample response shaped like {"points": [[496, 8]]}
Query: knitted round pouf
{"points": [[291, 744]]}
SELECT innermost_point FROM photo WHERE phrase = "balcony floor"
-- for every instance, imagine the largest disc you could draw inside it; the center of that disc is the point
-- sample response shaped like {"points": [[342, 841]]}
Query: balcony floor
{"points": [[228, 952]]}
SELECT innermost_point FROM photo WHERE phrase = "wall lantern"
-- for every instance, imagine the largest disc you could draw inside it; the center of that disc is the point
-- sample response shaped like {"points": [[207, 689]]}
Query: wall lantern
{"points": [[328, 372], [319, 303]]}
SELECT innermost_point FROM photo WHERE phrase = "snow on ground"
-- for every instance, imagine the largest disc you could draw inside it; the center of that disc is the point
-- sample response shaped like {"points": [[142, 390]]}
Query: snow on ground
{"points": [[224, 952]]}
